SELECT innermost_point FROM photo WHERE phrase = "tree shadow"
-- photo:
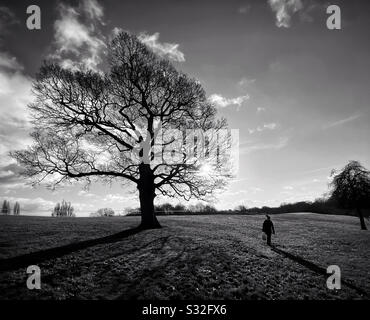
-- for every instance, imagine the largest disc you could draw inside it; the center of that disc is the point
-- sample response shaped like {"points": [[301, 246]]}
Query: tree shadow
{"points": [[134, 290], [39, 256], [316, 268]]}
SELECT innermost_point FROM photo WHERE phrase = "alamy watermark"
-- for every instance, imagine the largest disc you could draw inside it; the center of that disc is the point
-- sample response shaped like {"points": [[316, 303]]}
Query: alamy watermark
{"points": [[334, 280], [334, 21], [215, 147], [33, 21], [34, 278]]}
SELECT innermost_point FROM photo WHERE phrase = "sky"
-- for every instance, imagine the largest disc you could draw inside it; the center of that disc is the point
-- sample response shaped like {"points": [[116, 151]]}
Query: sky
{"points": [[297, 91]]}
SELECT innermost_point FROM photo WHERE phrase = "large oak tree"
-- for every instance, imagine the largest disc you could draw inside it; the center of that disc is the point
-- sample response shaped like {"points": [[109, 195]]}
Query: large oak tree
{"points": [[124, 124]]}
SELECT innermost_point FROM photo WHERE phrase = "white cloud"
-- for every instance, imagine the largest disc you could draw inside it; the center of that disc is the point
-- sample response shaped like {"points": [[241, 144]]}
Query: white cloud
{"points": [[245, 82], [77, 38], [8, 62], [118, 201], [93, 9], [84, 193], [284, 9], [260, 109], [255, 189], [230, 193], [114, 198], [165, 49], [7, 18], [15, 95], [270, 126], [244, 9], [223, 102], [31, 206], [83, 209], [44, 207], [279, 144], [6, 174], [342, 121], [265, 126], [10, 178], [327, 169], [116, 31]]}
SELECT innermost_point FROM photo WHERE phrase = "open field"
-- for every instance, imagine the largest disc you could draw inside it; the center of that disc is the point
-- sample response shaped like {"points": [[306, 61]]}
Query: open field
{"points": [[191, 257]]}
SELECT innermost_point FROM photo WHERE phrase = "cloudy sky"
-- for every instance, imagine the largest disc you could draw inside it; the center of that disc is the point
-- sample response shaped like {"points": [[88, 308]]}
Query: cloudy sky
{"points": [[298, 92]]}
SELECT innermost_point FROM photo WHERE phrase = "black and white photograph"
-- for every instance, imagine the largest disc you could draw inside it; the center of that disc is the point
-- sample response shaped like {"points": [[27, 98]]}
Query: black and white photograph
{"points": [[207, 151]]}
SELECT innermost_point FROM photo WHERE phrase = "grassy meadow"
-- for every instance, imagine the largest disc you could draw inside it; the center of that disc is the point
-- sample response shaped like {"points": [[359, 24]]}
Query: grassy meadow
{"points": [[191, 257]]}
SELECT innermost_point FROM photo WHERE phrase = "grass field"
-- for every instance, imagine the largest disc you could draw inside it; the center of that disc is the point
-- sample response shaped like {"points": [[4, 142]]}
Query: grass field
{"points": [[191, 257]]}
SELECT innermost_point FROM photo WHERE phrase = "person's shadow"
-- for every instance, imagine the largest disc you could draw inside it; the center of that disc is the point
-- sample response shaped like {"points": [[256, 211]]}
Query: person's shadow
{"points": [[299, 260], [42, 255]]}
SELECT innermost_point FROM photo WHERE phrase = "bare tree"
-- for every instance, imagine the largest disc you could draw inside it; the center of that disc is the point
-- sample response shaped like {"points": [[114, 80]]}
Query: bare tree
{"points": [[241, 208], [124, 125], [16, 209], [63, 209], [5, 210], [351, 188]]}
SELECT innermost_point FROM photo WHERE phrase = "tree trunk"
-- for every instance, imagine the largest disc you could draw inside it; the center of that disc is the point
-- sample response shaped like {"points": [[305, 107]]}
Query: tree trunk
{"points": [[362, 220], [147, 195]]}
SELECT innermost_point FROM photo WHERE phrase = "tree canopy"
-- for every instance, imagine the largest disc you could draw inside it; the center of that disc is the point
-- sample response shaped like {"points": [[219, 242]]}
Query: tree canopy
{"points": [[351, 188], [141, 121]]}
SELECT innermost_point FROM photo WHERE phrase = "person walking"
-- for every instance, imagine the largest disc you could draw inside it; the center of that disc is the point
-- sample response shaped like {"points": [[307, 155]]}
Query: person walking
{"points": [[268, 229]]}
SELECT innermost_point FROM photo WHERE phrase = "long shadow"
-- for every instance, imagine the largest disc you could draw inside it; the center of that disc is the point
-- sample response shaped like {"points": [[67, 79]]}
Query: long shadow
{"points": [[42, 255], [316, 268], [152, 271]]}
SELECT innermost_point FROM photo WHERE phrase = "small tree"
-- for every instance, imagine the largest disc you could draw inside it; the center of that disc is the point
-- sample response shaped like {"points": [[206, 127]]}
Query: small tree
{"points": [[241, 208], [351, 188], [16, 209], [5, 210], [64, 209], [165, 208], [56, 210], [209, 209], [180, 208]]}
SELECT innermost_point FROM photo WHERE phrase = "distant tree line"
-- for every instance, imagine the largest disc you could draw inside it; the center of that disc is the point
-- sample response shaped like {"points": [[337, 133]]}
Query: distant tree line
{"points": [[63, 209], [7, 210], [349, 195], [178, 209], [167, 208], [323, 206]]}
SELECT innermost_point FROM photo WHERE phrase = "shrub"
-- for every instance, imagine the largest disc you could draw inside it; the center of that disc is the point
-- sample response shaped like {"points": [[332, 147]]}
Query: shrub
{"points": [[103, 212]]}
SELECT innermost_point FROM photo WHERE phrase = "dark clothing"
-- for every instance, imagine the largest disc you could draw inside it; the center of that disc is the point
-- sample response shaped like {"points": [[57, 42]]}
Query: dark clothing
{"points": [[269, 239], [268, 228]]}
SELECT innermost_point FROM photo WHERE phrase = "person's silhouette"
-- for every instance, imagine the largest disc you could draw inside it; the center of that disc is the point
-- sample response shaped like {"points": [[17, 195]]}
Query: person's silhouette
{"points": [[268, 228]]}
